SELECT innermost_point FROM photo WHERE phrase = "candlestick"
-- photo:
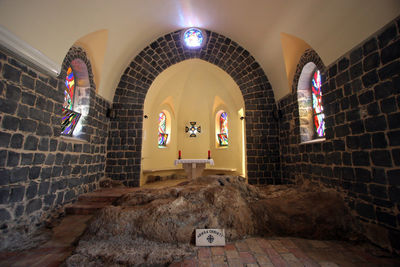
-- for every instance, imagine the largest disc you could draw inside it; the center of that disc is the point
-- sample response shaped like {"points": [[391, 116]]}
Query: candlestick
{"points": [[179, 155], [209, 154]]}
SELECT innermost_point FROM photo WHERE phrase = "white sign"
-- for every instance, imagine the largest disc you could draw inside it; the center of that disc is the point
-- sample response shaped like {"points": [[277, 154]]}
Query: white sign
{"points": [[210, 237]]}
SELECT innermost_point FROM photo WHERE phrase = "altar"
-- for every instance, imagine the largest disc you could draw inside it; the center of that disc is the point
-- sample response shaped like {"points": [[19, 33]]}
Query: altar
{"points": [[194, 167]]}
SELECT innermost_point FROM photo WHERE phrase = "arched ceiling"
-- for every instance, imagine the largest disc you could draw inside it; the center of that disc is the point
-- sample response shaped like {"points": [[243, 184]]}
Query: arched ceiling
{"points": [[175, 79], [331, 28]]}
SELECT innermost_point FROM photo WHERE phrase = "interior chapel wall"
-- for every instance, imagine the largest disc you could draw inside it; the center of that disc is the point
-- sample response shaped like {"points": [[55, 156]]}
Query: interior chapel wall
{"points": [[361, 154], [40, 171], [193, 90]]}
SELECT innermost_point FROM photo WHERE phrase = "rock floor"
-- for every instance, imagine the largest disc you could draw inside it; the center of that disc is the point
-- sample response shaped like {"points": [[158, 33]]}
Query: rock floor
{"points": [[53, 252], [65, 235], [255, 251]]}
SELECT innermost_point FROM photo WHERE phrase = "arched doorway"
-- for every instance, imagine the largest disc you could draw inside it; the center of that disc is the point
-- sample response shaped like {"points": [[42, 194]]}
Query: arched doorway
{"points": [[126, 134], [192, 90]]}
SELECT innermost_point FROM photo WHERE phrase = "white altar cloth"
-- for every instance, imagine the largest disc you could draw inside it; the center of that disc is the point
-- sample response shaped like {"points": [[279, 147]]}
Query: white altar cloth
{"points": [[194, 167]]}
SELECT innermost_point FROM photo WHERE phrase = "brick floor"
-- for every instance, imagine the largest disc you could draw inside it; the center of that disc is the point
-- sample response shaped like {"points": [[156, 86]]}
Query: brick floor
{"points": [[204, 253], [242, 246], [232, 254], [292, 252], [218, 251], [264, 252]]}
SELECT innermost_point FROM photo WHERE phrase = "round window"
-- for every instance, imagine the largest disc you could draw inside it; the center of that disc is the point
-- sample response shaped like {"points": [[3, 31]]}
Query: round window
{"points": [[193, 38]]}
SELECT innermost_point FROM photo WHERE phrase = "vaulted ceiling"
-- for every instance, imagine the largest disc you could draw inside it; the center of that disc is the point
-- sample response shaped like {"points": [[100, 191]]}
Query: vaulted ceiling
{"points": [[275, 32]]}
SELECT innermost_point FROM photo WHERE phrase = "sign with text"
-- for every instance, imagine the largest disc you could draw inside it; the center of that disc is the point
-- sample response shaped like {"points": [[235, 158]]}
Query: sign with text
{"points": [[210, 237]]}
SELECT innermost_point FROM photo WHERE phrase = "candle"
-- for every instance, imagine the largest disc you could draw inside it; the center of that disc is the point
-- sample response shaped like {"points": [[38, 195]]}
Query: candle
{"points": [[180, 155], [209, 154]]}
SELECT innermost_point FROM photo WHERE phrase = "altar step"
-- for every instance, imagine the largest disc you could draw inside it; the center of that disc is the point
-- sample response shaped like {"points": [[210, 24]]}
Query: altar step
{"points": [[83, 208], [89, 203]]}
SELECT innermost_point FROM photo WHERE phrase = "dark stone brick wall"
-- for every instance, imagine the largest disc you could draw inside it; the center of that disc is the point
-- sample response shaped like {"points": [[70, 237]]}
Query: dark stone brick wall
{"points": [[361, 154], [40, 170], [125, 136]]}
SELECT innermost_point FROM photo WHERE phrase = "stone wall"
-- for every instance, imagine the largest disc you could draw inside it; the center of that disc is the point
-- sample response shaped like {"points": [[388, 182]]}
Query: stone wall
{"points": [[40, 170], [361, 153], [125, 137]]}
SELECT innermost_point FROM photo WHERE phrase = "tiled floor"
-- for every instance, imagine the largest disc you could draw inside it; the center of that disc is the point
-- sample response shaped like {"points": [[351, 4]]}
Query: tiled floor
{"points": [[279, 252], [267, 252]]}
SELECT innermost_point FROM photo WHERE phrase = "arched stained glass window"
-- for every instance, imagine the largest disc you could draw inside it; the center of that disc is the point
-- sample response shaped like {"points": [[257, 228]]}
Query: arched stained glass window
{"points": [[70, 118], [162, 130], [318, 115], [223, 129]]}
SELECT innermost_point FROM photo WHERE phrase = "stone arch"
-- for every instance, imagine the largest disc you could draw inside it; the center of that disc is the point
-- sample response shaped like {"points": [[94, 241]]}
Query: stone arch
{"points": [[308, 63], [85, 87], [125, 136], [74, 53]]}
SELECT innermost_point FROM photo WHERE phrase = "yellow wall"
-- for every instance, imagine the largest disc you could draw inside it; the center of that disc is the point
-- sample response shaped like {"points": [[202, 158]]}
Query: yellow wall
{"points": [[95, 44], [292, 48], [193, 90]]}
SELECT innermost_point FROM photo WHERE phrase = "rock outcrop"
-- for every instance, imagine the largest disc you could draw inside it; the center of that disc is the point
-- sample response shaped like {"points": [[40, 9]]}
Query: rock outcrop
{"points": [[167, 218], [308, 211]]}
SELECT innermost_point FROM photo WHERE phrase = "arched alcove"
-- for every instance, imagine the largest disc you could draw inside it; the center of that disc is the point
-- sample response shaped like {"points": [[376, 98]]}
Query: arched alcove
{"points": [[190, 88], [125, 136]]}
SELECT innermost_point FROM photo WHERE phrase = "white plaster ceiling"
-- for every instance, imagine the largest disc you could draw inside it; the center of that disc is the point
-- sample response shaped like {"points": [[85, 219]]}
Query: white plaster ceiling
{"points": [[331, 27]]}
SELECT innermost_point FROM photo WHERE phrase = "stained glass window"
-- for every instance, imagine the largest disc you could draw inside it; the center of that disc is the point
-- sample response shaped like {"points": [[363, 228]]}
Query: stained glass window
{"points": [[70, 118], [223, 128], [69, 121], [162, 128], [318, 115], [193, 38], [69, 91]]}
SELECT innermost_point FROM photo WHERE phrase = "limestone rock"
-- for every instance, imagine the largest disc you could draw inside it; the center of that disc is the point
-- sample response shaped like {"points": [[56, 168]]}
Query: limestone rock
{"points": [[307, 211], [172, 214], [108, 183], [125, 251], [165, 219]]}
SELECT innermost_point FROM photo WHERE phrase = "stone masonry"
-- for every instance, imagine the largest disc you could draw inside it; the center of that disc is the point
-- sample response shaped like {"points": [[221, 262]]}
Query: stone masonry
{"points": [[40, 170], [361, 154], [125, 136]]}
